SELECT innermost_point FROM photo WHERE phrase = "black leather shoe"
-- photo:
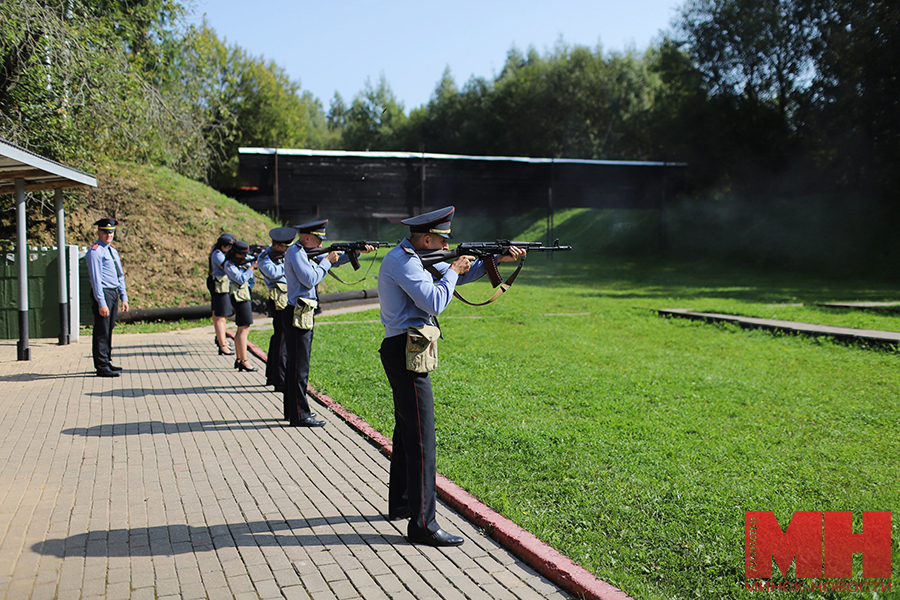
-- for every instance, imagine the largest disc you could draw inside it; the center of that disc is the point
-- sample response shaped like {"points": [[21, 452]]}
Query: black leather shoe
{"points": [[243, 365], [288, 418], [310, 421], [114, 368], [106, 373], [225, 350], [403, 513], [437, 539]]}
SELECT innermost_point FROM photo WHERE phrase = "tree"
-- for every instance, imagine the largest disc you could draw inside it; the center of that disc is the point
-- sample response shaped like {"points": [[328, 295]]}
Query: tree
{"points": [[375, 120], [75, 84], [759, 49], [857, 117]]}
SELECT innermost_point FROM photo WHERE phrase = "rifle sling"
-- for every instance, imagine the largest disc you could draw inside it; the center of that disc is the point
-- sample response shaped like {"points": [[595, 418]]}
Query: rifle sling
{"points": [[374, 256], [501, 289]]}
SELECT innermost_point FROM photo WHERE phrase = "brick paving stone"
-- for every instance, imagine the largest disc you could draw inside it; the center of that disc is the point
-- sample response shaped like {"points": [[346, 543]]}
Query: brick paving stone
{"points": [[178, 480]]}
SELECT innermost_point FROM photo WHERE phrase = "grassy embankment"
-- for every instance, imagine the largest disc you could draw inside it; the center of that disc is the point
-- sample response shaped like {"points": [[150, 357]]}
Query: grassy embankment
{"points": [[633, 443]]}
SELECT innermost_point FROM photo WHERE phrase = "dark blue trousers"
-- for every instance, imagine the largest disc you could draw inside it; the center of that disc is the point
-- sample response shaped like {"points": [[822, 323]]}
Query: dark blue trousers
{"points": [[298, 343], [413, 472], [276, 361], [101, 338]]}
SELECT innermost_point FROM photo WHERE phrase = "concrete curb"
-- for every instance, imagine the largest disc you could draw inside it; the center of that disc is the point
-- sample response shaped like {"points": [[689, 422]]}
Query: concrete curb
{"points": [[849, 334], [547, 561]]}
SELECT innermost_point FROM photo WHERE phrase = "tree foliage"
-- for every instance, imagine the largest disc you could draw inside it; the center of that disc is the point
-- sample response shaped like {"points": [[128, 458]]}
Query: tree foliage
{"points": [[90, 80], [573, 102], [750, 93], [375, 119]]}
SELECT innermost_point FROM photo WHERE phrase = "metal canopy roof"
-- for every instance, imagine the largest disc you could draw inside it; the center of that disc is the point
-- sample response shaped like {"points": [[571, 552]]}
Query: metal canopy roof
{"points": [[38, 172]]}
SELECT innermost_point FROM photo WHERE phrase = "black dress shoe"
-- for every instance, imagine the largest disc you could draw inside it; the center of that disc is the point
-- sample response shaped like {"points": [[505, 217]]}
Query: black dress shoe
{"points": [[287, 417], [106, 373], [310, 421], [114, 368], [403, 513], [438, 539]]}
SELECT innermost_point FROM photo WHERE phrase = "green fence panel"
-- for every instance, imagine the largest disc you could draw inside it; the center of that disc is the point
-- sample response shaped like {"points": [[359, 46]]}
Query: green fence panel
{"points": [[43, 294], [84, 287]]}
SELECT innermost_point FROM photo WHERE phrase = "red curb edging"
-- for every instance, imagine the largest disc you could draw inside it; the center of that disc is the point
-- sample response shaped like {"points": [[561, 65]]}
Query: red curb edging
{"points": [[547, 561]]}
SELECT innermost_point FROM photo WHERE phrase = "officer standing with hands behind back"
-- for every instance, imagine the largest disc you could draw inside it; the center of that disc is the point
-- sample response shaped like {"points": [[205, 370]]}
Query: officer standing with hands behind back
{"points": [[411, 298], [107, 289]]}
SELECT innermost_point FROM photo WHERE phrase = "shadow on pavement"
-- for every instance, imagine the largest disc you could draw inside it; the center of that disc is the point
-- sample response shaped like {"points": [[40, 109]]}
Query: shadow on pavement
{"points": [[157, 427], [169, 540]]}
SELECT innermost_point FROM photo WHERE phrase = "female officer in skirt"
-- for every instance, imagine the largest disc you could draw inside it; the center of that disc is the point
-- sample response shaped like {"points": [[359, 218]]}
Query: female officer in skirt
{"points": [[240, 275], [219, 287]]}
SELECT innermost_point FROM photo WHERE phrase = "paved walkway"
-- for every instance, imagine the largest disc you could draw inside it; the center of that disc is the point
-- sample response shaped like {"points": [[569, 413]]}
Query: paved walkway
{"points": [[177, 480]]}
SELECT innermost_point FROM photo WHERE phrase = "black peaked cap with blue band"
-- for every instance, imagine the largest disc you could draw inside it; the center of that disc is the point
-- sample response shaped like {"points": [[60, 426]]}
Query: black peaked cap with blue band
{"points": [[436, 222], [107, 224], [283, 235], [317, 228]]}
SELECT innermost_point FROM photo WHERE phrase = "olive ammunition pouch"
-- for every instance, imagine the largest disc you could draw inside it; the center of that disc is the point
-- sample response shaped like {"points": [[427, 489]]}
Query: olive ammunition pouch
{"points": [[240, 293], [222, 284], [304, 313], [421, 348], [279, 295]]}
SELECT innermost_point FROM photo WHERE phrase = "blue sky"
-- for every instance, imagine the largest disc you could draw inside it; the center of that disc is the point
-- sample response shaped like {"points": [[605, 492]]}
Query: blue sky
{"points": [[338, 45]]}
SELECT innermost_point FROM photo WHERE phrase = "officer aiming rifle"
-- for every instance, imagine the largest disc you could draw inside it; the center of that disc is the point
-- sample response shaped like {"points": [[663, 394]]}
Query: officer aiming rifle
{"points": [[488, 252]]}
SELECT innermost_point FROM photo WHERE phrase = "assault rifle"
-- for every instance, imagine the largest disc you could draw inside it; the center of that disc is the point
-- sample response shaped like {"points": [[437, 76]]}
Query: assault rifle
{"points": [[350, 247], [487, 251]]}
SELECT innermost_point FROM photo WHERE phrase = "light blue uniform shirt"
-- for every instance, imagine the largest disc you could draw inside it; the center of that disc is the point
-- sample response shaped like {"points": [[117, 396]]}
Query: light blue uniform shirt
{"points": [[303, 274], [105, 271], [409, 294], [239, 275], [217, 258], [272, 272]]}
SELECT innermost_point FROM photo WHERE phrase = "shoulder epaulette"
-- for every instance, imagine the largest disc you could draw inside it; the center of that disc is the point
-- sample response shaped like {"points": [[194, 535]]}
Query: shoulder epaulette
{"points": [[408, 250], [95, 246]]}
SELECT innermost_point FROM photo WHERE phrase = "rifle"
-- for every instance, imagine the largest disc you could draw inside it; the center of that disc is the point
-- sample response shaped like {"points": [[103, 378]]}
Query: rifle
{"points": [[487, 251], [252, 254], [350, 247]]}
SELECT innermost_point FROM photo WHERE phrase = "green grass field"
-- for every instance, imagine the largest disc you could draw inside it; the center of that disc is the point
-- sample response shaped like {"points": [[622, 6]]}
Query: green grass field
{"points": [[634, 443]]}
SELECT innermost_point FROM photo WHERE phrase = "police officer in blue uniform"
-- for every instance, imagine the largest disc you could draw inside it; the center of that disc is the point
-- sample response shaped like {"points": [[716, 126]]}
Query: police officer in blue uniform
{"points": [[240, 276], [303, 275], [217, 284], [271, 265], [410, 296], [107, 289]]}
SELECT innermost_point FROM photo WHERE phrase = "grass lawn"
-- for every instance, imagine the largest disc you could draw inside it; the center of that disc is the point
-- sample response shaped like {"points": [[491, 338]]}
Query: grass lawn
{"points": [[634, 443]]}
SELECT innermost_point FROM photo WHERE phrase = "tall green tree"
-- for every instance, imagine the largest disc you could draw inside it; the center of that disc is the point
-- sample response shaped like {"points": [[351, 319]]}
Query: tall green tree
{"points": [[857, 117], [375, 119], [80, 80]]}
